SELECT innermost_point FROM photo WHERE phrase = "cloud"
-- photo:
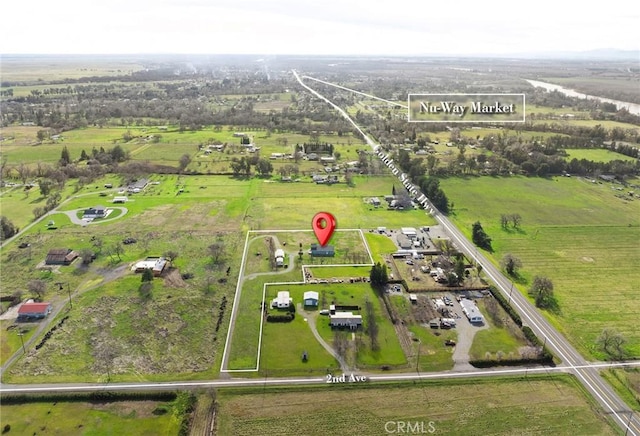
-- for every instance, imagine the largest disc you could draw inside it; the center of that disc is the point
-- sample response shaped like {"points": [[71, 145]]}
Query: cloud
{"points": [[331, 26]]}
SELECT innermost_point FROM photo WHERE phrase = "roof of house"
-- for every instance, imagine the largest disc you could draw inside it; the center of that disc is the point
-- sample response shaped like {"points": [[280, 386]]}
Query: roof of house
{"points": [[283, 298], [34, 308], [344, 316], [153, 263], [470, 309], [311, 294]]}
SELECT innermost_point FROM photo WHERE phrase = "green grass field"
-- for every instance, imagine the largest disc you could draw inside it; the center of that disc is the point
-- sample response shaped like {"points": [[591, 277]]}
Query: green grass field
{"points": [[596, 155], [581, 235], [91, 418], [497, 406], [284, 343]]}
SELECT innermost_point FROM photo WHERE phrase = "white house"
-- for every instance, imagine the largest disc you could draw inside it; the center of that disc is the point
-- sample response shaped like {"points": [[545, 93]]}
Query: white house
{"points": [[310, 298], [345, 319], [279, 255], [282, 301], [470, 309]]}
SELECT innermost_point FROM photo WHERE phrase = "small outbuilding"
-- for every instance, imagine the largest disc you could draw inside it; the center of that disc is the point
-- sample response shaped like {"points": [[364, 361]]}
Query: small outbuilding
{"points": [[33, 311], [60, 256], [311, 298]]}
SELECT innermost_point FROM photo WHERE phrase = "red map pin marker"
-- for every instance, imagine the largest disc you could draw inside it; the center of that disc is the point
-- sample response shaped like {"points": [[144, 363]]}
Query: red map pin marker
{"points": [[323, 226]]}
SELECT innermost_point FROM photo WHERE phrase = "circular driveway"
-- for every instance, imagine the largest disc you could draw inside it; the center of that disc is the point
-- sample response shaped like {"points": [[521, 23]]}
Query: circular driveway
{"points": [[73, 216]]}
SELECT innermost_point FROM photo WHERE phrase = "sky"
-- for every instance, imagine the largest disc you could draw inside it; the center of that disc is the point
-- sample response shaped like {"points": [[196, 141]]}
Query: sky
{"points": [[339, 27]]}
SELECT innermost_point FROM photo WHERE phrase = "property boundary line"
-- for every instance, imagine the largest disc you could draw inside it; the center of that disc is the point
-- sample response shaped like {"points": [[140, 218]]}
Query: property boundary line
{"points": [[238, 293]]}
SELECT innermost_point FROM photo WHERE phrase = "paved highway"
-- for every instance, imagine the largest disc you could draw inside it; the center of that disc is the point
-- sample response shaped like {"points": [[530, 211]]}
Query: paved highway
{"points": [[589, 376], [248, 382]]}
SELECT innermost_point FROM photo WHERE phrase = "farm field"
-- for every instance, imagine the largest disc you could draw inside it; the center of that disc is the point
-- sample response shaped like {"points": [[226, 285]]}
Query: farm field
{"points": [[596, 155], [34, 69], [91, 417], [505, 406], [576, 233]]}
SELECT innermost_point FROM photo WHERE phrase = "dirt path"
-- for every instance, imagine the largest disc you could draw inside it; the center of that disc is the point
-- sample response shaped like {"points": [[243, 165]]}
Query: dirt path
{"points": [[311, 320], [289, 267]]}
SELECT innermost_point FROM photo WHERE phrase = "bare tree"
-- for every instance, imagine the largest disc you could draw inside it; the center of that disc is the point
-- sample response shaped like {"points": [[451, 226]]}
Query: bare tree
{"points": [[511, 263], [37, 287], [612, 343], [216, 251], [372, 325], [184, 162], [171, 255], [87, 256], [340, 343], [24, 172]]}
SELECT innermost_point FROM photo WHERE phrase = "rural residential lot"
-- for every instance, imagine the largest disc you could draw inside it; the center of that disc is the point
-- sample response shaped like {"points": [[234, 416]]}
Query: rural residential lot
{"points": [[156, 229]]}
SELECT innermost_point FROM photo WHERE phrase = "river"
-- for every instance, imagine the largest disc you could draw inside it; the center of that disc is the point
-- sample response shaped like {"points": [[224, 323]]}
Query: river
{"points": [[631, 107]]}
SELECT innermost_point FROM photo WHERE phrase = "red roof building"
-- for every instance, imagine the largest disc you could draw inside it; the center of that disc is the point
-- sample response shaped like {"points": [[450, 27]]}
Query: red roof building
{"points": [[31, 311]]}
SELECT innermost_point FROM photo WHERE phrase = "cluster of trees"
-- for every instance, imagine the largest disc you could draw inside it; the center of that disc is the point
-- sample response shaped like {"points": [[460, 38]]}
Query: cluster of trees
{"points": [[316, 147], [378, 275], [480, 237], [430, 186], [242, 166]]}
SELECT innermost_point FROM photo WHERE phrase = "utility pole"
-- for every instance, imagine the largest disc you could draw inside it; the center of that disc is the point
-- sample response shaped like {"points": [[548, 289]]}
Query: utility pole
{"points": [[22, 341], [61, 288]]}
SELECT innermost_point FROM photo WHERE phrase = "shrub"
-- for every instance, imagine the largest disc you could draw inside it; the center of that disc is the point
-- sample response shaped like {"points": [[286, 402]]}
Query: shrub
{"points": [[286, 317]]}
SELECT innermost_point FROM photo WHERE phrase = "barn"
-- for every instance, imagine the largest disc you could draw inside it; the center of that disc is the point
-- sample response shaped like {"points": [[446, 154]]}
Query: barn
{"points": [[60, 256], [311, 298]]}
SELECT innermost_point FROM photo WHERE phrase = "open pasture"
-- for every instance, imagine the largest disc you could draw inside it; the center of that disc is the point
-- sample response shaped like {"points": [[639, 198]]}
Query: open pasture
{"points": [[91, 417], [579, 234], [596, 155], [34, 69], [533, 405]]}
